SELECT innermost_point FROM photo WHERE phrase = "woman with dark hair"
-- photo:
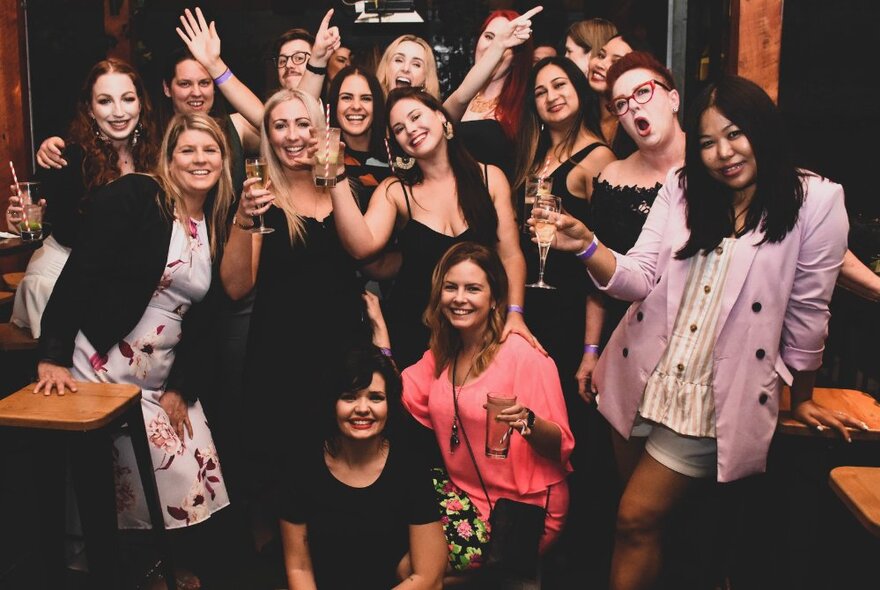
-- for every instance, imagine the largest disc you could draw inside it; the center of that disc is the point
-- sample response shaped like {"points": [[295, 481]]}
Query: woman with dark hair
{"points": [[446, 392], [731, 276], [136, 304], [113, 133], [358, 510], [439, 197], [357, 107], [559, 141]]}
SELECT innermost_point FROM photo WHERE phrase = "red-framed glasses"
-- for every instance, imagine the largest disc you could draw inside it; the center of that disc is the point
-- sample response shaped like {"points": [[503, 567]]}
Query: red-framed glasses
{"points": [[642, 95]]}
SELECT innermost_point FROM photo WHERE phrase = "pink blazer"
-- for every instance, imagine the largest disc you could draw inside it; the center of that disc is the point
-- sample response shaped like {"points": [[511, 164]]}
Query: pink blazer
{"points": [[774, 313]]}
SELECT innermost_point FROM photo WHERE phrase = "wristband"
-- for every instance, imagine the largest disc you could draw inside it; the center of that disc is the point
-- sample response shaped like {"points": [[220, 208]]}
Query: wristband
{"points": [[223, 77], [592, 348], [385, 351], [320, 70], [341, 177], [516, 308], [240, 225], [590, 250]]}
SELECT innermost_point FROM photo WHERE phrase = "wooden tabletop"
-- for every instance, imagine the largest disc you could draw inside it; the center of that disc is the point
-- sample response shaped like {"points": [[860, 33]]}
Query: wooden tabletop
{"points": [[859, 489], [15, 245], [856, 404], [93, 406]]}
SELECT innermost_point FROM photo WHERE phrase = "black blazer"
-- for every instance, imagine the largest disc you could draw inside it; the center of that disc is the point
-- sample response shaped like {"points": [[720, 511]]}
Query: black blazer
{"points": [[112, 272]]}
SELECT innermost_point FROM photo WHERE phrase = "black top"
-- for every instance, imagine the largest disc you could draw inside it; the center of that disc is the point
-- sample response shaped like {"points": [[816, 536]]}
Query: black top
{"points": [[364, 172], [618, 213], [307, 312], [485, 140], [557, 317], [422, 248], [357, 536], [65, 193], [111, 275]]}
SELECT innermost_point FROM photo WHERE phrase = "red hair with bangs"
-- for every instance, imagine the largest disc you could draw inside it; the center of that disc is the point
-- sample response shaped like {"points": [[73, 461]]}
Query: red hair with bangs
{"points": [[637, 60], [511, 99]]}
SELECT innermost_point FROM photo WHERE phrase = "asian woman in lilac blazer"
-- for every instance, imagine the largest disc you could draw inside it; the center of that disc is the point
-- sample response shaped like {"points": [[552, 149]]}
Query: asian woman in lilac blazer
{"points": [[730, 281]]}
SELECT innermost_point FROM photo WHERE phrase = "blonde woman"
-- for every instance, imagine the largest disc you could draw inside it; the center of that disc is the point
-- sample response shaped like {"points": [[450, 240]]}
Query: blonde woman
{"points": [[307, 301], [408, 61]]}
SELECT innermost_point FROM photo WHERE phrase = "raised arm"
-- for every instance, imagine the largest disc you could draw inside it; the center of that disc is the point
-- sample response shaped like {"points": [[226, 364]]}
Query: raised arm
{"points": [[364, 235], [517, 32], [327, 40], [241, 257], [203, 42]]}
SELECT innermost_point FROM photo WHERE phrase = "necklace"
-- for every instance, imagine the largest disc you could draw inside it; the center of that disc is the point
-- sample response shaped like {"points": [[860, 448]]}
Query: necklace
{"points": [[483, 105], [453, 436]]}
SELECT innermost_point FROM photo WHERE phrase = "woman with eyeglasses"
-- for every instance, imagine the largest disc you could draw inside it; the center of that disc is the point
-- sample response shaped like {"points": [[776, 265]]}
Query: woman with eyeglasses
{"points": [[730, 280]]}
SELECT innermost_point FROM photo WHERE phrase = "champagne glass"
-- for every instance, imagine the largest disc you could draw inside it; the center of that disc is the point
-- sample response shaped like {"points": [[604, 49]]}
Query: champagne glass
{"points": [[544, 231], [535, 185], [256, 168]]}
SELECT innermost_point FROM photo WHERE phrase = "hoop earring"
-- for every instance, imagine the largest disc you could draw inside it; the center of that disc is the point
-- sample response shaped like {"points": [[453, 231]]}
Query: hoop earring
{"points": [[136, 135], [448, 130], [404, 163]]}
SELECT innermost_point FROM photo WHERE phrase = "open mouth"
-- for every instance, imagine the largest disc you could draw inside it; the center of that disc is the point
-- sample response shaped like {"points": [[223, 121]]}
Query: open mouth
{"points": [[597, 77], [643, 126], [196, 104], [200, 172], [461, 312], [355, 118], [402, 81], [733, 169], [119, 125], [294, 150], [361, 424], [418, 139]]}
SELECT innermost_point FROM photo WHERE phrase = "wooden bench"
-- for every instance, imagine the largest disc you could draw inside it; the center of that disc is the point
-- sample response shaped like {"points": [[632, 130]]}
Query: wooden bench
{"points": [[856, 404], [87, 418], [6, 297], [13, 338], [12, 280], [859, 489]]}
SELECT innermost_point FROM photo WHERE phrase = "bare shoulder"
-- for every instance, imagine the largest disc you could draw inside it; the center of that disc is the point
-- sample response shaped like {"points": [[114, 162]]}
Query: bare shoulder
{"points": [[611, 172]]}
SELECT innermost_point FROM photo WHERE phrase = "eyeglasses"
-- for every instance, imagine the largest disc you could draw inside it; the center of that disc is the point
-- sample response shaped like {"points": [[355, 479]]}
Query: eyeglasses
{"points": [[642, 95], [298, 59]]}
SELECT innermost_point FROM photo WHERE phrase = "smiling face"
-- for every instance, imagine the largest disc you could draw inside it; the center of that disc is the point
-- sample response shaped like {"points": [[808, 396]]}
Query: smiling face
{"points": [[362, 414], [289, 132], [601, 60], [727, 153], [338, 60], [407, 66], [493, 29], [196, 162], [354, 110], [115, 106], [652, 122], [290, 74], [466, 298], [578, 55], [556, 99], [417, 128], [191, 89]]}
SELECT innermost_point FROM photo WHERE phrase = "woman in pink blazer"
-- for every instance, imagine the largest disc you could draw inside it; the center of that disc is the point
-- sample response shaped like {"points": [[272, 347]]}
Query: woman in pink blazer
{"points": [[730, 279]]}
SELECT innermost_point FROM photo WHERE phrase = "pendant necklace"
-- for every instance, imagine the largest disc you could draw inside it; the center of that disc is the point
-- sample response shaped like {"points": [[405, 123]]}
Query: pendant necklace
{"points": [[453, 437]]}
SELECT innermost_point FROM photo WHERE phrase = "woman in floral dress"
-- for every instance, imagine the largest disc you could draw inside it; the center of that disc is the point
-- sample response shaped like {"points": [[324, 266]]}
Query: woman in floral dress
{"points": [[140, 271]]}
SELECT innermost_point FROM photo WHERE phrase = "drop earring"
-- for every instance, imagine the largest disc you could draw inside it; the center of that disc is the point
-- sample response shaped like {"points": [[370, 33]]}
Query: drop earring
{"points": [[404, 163], [448, 130], [136, 135]]}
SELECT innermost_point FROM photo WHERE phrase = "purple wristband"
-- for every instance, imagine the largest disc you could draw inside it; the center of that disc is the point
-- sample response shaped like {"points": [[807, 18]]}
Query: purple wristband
{"points": [[516, 308], [385, 352], [223, 77], [591, 249], [592, 348]]}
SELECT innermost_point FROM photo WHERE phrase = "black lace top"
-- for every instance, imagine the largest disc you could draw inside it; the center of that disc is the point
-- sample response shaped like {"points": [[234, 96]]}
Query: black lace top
{"points": [[619, 212]]}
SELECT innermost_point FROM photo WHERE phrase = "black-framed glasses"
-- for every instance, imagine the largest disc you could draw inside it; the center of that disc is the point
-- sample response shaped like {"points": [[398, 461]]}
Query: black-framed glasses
{"points": [[298, 58], [642, 95]]}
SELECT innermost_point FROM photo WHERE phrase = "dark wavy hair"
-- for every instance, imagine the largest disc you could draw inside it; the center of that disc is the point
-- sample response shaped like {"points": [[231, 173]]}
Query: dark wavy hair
{"points": [[354, 372], [510, 102], [533, 140], [100, 163], [445, 339], [473, 196], [779, 191], [377, 127]]}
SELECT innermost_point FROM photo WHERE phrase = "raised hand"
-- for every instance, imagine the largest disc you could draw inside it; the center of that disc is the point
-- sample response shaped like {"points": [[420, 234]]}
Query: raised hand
{"points": [[571, 234], [201, 39], [50, 153], [327, 40], [518, 30]]}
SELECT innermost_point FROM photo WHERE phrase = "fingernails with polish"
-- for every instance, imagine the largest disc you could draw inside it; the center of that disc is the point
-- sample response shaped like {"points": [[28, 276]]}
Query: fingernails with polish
{"points": [[865, 426], [820, 428]]}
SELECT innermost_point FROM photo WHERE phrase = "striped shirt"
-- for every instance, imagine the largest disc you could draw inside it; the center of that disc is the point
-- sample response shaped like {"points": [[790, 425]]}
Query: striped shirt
{"points": [[679, 391]]}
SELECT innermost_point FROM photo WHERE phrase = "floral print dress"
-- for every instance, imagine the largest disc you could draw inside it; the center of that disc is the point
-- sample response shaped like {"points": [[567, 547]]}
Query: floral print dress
{"points": [[187, 471]]}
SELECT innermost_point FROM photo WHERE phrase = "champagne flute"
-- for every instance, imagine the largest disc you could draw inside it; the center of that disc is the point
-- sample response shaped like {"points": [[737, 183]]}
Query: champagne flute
{"points": [[544, 231], [535, 185], [256, 168]]}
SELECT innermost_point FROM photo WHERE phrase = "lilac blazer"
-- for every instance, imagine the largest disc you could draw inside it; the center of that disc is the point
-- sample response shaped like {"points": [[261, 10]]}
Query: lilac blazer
{"points": [[774, 312]]}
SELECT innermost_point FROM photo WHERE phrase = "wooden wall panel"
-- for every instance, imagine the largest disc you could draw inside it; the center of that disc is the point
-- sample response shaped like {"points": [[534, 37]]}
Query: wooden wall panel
{"points": [[756, 40]]}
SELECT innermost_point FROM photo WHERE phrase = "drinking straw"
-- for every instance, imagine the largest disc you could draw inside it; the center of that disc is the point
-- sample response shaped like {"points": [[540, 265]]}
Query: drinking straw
{"points": [[390, 159], [327, 143], [14, 177], [18, 191]]}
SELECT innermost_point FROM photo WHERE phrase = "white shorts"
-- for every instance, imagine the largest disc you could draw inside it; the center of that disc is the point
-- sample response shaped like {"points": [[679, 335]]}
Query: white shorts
{"points": [[693, 456]]}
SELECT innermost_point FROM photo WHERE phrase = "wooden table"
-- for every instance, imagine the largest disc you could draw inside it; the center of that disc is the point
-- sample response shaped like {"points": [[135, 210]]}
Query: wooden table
{"points": [[856, 404], [9, 246], [87, 418], [859, 489]]}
